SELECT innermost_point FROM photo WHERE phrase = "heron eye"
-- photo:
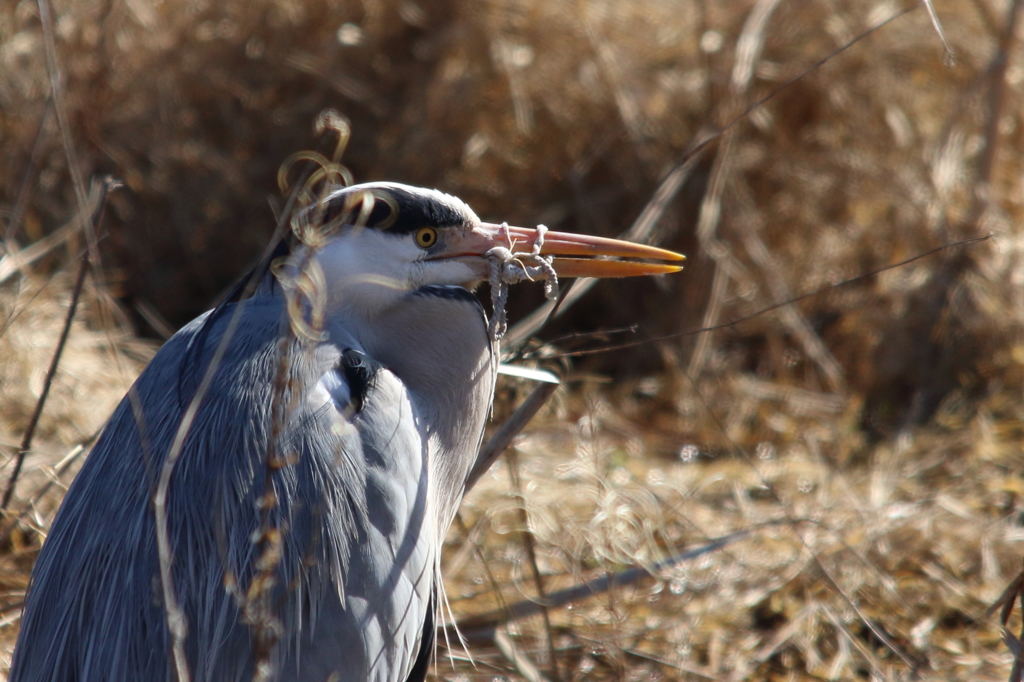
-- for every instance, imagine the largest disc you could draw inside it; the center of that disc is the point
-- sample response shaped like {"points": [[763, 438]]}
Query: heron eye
{"points": [[426, 237]]}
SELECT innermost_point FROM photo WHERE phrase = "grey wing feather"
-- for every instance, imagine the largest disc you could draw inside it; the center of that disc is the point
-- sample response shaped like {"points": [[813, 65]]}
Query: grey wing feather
{"points": [[355, 583]]}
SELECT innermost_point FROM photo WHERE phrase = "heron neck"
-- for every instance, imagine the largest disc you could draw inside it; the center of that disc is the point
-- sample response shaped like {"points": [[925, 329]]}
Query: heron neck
{"points": [[435, 340]]}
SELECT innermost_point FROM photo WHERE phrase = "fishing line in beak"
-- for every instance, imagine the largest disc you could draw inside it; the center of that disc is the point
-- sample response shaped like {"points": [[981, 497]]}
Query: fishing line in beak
{"points": [[510, 267]]}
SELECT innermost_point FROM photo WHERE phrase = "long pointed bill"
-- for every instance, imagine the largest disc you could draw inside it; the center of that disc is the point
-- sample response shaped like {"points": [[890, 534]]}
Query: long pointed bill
{"points": [[522, 239]]}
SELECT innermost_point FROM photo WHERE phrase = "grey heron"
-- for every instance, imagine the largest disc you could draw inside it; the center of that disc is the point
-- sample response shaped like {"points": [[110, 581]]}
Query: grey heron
{"points": [[384, 412]]}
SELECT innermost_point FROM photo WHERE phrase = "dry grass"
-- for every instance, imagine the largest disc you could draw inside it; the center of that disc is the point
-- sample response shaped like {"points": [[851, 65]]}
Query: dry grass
{"points": [[922, 537], [868, 438]]}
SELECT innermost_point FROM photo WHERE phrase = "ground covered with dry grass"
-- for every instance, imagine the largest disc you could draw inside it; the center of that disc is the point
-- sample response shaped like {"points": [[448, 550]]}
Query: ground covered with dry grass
{"points": [[859, 450]]}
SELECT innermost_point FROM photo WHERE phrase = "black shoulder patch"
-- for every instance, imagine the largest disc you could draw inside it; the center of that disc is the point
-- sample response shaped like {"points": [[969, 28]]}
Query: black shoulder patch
{"points": [[449, 291], [408, 210], [359, 370]]}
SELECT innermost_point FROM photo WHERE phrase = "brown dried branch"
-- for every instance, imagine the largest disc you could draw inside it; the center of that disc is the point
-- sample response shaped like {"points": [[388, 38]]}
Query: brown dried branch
{"points": [[529, 545], [100, 191], [512, 427]]}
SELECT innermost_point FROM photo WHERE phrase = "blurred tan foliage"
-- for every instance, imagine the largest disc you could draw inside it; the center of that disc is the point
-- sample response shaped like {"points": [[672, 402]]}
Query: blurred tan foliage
{"points": [[885, 415]]}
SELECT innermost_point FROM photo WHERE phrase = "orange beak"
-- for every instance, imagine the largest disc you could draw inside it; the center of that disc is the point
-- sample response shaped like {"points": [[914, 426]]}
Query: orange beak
{"points": [[586, 248]]}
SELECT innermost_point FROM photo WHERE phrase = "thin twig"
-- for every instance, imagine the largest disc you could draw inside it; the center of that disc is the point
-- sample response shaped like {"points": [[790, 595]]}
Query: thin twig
{"points": [[790, 315], [857, 642], [27, 177], [937, 25], [58, 471], [1017, 674], [15, 261], [106, 308], [797, 299], [829, 578], [503, 437], [645, 656], [523, 665], [57, 93], [499, 597], [670, 186], [1004, 604], [639, 231], [748, 50], [530, 545], [176, 623], [51, 372], [257, 604], [997, 73], [18, 311], [528, 607]]}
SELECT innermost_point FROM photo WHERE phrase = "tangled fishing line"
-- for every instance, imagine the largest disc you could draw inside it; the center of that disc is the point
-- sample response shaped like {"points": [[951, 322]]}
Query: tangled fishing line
{"points": [[510, 267]]}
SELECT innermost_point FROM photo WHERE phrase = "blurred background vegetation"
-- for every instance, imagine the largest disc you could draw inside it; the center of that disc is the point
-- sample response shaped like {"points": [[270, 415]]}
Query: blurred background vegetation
{"points": [[881, 420]]}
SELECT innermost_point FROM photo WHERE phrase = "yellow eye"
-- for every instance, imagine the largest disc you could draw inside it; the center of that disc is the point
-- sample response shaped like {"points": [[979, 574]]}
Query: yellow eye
{"points": [[426, 237]]}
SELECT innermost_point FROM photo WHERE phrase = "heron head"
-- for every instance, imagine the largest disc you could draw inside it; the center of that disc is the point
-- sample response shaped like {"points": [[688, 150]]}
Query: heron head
{"points": [[383, 240]]}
